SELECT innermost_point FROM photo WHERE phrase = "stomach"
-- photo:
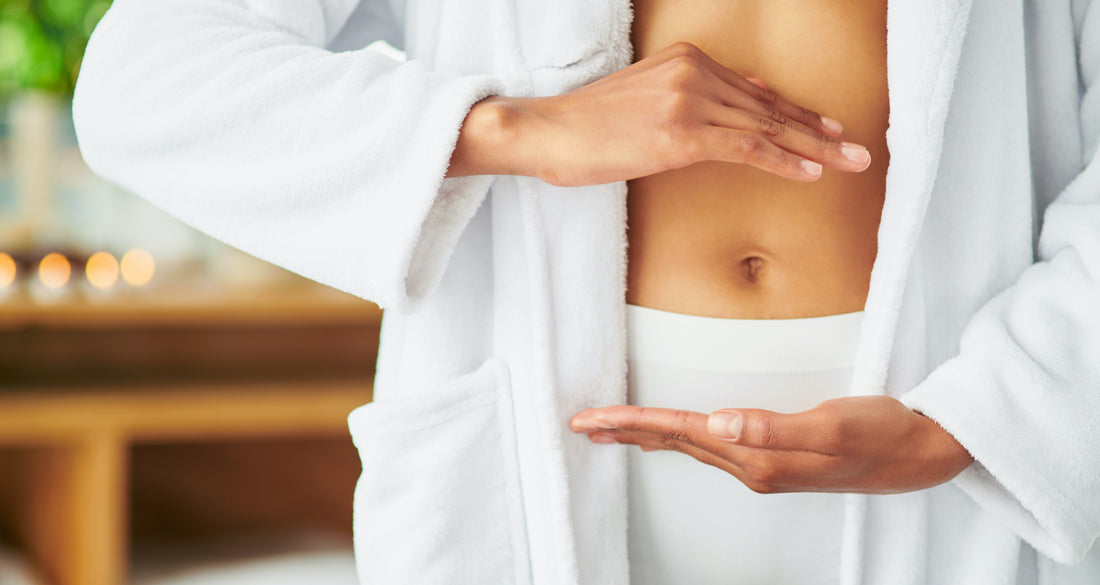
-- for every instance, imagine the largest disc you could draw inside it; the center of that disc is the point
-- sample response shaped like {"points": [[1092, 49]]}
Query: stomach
{"points": [[727, 240]]}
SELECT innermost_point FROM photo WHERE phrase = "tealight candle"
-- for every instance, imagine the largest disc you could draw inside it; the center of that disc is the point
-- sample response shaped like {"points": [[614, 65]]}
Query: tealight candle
{"points": [[101, 270], [7, 270], [137, 267], [54, 270]]}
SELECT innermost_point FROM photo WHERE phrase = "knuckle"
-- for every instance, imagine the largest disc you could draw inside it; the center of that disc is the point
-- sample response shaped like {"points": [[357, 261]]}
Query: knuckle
{"points": [[697, 147], [668, 442], [771, 111], [765, 433], [747, 144], [761, 481], [682, 419], [791, 163], [765, 475], [683, 48], [764, 96], [676, 106], [771, 126], [783, 163], [677, 437], [682, 69], [674, 120], [760, 487], [778, 116], [672, 136], [643, 413], [762, 469]]}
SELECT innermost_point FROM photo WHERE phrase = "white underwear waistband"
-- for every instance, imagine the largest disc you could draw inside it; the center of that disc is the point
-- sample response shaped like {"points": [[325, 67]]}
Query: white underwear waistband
{"points": [[742, 345]]}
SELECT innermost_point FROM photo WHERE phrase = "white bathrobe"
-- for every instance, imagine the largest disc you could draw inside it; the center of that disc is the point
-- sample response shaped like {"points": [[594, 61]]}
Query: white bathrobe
{"points": [[274, 127]]}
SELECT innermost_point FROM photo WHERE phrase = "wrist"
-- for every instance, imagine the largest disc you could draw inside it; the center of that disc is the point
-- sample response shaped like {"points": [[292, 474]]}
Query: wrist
{"points": [[943, 452], [495, 139]]}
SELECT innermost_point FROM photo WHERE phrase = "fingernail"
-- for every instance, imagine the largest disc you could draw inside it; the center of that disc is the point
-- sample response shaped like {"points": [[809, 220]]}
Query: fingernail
{"points": [[725, 425], [811, 168], [832, 125], [855, 152], [602, 439], [757, 82]]}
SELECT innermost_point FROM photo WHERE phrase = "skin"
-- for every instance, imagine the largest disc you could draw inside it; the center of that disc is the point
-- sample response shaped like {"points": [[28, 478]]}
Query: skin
{"points": [[744, 202]]}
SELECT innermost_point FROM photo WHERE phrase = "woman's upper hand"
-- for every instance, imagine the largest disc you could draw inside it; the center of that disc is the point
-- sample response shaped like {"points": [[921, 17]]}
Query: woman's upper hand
{"points": [[669, 110], [861, 444]]}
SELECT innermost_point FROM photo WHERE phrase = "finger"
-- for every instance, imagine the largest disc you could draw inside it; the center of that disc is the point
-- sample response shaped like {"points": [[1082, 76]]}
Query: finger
{"points": [[585, 421], [794, 137], [684, 425], [766, 99], [653, 441], [735, 99], [757, 82], [761, 96], [729, 98], [752, 148], [813, 430], [764, 471], [641, 440]]}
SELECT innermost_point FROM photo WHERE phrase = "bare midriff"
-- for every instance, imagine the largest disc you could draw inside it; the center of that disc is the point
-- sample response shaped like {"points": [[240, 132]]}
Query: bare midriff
{"points": [[729, 240]]}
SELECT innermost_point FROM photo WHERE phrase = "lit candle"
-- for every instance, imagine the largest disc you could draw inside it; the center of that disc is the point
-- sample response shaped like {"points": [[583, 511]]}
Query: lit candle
{"points": [[101, 270], [7, 270], [54, 270], [137, 267]]}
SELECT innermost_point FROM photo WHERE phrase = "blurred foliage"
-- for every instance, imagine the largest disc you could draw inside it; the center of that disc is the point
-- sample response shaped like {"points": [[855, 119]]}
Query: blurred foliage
{"points": [[42, 42]]}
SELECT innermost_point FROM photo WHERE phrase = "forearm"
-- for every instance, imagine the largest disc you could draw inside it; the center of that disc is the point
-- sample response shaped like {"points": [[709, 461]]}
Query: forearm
{"points": [[664, 112], [254, 131]]}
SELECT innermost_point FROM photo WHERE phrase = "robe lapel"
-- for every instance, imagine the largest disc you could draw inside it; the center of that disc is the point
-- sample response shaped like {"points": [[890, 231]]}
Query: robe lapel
{"points": [[924, 42]]}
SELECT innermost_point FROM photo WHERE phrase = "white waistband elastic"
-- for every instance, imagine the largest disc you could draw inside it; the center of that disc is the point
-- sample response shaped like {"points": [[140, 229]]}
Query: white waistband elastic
{"points": [[742, 345]]}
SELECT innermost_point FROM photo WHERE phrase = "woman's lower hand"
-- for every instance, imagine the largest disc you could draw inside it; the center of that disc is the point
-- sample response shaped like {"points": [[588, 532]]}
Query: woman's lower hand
{"points": [[669, 110], [861, 444]]}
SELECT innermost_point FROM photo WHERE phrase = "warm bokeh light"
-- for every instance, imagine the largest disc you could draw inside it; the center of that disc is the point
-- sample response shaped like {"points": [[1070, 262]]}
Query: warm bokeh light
{"points": [[137, 267], [102, 270], [7, 270], [54, 270]]}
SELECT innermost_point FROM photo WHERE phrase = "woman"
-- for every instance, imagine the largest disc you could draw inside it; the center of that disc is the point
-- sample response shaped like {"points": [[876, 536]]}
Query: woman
{"points": [[496, 237]]}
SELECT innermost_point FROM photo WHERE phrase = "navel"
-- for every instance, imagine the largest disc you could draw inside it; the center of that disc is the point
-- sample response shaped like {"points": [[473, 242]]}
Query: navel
{"points": [[752, 267]]}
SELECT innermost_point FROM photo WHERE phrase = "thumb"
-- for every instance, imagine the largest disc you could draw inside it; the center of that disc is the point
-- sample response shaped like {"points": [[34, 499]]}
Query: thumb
{"points": [[762, 429]]}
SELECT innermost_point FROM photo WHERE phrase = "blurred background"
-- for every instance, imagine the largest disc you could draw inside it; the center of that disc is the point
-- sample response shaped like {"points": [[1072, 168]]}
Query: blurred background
{"points": [[172, 411]]}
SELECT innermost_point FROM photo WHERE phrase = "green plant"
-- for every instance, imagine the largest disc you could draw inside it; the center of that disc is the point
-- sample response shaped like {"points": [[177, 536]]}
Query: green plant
{"points": [[42, 42]]}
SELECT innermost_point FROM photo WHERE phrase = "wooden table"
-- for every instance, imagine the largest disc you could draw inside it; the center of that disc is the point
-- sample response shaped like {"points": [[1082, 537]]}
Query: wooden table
{"points": [[65, 449]]}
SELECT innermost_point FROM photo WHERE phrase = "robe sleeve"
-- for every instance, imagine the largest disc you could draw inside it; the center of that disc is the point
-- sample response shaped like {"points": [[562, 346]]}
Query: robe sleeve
{"points": [[233, 116], [1023, 393]]}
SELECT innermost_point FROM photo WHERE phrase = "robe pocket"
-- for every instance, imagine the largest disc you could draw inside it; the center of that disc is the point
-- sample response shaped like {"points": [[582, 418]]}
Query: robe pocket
{"points": [[564, 33], [438, 500], [570, 43]]}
